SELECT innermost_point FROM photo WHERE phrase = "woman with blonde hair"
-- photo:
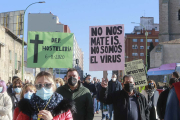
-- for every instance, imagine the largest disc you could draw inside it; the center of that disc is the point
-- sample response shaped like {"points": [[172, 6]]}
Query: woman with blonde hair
{"points": [[59, 82], [151, 95], [25, 96], [46, 104], [5, 103]]}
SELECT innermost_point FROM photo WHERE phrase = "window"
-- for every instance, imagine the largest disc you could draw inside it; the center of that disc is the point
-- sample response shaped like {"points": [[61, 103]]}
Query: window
{"points": [[141, 47], [149, 33], [134, 54], [0, 51], [134, 40], [138, 33], [141, 40], [15, 61], [155, 28], [149, 40], [147, 47], [179, 15], [141, 54], [134, 47], [156, 40], [10, 56]]}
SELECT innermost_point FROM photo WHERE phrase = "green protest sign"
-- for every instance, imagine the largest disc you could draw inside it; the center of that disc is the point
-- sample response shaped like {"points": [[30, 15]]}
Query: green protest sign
{"points": [[136, 69], [50, 50]]}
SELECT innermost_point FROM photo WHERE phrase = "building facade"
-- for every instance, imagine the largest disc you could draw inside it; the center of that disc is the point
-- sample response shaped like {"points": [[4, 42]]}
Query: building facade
{"points": [[10, 55], [135, 44], [169, 20], [48, 22]]}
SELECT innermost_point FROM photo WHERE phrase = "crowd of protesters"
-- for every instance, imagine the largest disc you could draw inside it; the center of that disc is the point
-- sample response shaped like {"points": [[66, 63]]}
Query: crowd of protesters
{"points": [[73, 99]]}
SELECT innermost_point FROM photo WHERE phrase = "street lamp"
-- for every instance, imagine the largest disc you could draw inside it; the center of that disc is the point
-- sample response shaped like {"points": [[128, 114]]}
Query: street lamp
{"points": [[23, 38], [146, 34]]}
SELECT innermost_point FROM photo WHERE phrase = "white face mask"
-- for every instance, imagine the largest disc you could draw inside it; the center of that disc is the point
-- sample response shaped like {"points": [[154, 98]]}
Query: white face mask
{"points": [[113, 79]]}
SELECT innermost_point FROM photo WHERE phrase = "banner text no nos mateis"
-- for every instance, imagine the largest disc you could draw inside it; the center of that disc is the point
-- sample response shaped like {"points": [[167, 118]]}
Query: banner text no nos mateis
{"points": [[106, 48]]}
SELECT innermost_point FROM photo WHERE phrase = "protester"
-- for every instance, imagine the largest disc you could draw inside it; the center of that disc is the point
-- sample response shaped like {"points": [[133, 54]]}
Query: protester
{"points": [[152, 96], [26, 95], [176, 75], [105, 116], [92, 89], [75, 91], [173, 103], [10, 88], [90, 86], [59, 82], [5, 103], [161, 104], [65, 79], [15, 95], [113, 85], [128, 103], [45, 103], [96, 103], [92, 81]]}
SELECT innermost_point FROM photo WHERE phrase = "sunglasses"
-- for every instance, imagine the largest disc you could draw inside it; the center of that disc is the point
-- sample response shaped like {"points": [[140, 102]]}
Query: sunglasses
{"points": [[17, 86], [47, 85], [151, 83]]}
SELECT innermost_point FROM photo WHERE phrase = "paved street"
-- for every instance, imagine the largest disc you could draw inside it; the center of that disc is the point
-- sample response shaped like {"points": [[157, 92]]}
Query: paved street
{"points": [[97, 116]]}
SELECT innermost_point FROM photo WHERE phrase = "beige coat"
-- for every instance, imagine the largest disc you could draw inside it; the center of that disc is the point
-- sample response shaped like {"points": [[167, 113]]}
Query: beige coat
{"points": [[5, 107]]}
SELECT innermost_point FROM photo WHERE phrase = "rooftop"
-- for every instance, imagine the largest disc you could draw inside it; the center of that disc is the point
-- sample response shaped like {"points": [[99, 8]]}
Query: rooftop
{"points": [[15, 37], [177, 41]]}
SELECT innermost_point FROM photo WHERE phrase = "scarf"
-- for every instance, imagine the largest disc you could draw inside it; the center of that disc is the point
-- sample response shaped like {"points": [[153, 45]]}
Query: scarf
{"points": [[41, 104], [150, 92]]}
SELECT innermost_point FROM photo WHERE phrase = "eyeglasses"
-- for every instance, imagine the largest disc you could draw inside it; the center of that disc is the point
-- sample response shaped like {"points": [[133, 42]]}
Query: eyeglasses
{"points": [[17, 86], [47, 85], [151, 83]]}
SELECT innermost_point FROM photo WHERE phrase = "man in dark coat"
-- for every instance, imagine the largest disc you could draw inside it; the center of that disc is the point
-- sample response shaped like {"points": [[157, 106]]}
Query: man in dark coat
{"points": [[113, 86], [128, 103], [75, 91], [161, 104]]}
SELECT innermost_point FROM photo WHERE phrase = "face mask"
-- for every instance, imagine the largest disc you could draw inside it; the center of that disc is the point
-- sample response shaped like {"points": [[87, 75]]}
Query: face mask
{"points": [[17, 90], [151, 86], [72, 81], [44, 93], [113, 79], [28, 95], [57, 85], [87, 81], [1, 89], [129, 87]]}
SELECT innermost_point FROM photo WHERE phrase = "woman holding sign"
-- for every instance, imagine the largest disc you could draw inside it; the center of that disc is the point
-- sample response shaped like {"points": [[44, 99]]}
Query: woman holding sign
{"points": [[152, 96], [46, 104]]}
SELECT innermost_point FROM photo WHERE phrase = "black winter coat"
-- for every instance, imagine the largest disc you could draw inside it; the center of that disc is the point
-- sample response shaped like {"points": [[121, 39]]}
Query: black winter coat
{"points": [[91, 88], [161, 104], [120, 100], [118, 86]]}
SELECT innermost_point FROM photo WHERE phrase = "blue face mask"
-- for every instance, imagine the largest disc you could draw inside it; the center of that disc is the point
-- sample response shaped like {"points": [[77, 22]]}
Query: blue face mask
{"points": [[17, 90], [44, 93], [1, 89], [28, 95], [57, 85]]}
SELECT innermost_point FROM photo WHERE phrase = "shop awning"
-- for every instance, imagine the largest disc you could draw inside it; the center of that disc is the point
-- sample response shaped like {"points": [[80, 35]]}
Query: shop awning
{"points": [[163, 69]]}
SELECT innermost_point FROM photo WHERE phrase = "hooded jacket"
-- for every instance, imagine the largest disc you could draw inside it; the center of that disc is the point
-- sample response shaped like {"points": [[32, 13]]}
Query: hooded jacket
{"points": [[83, 101], [173, 103], [5, 107], [62, 111], [120, 101]]}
